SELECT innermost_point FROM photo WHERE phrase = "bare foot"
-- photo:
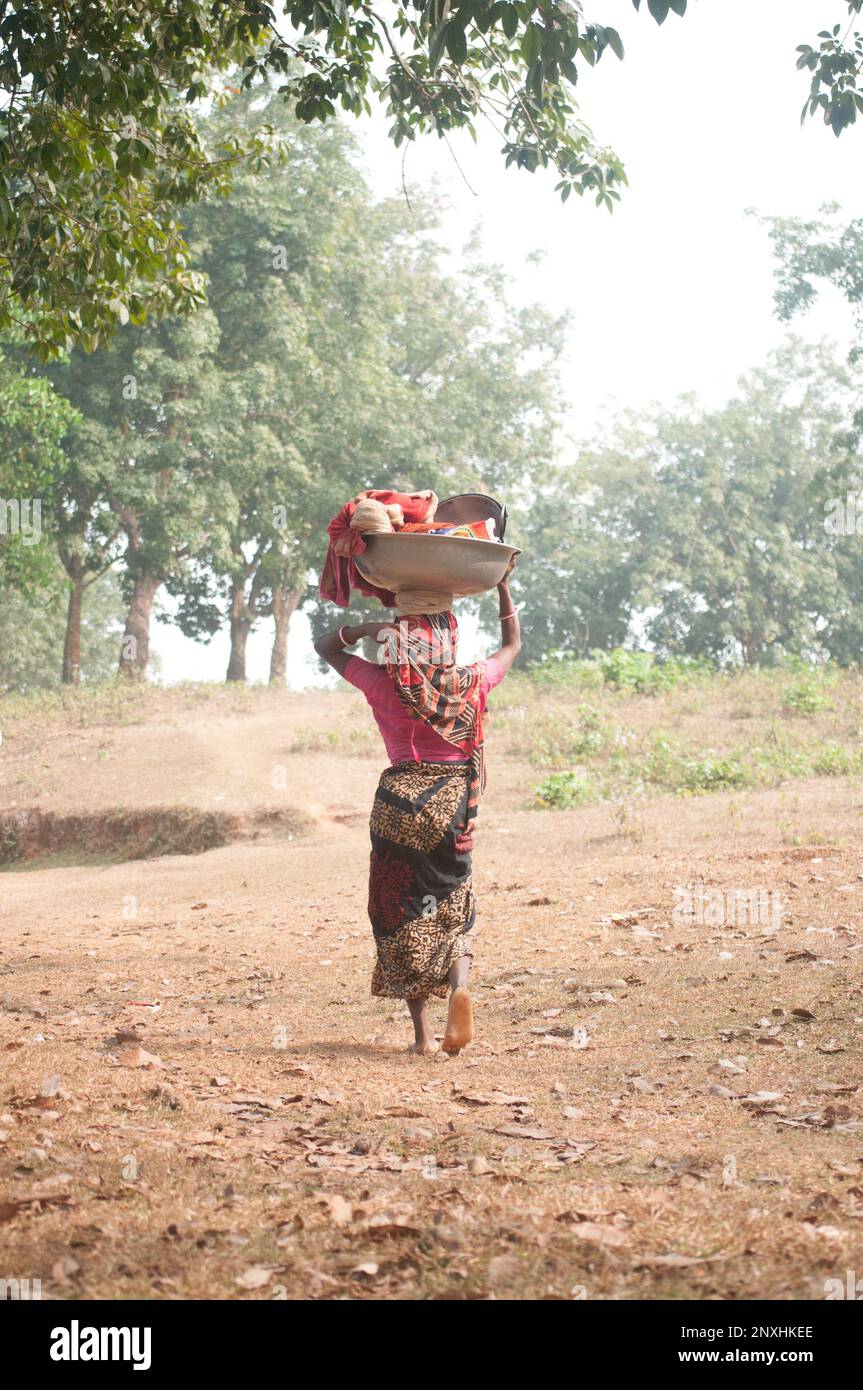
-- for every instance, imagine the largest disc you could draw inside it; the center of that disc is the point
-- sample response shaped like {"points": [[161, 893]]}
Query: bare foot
{"points": [[427, 1049], [459, 1023]]}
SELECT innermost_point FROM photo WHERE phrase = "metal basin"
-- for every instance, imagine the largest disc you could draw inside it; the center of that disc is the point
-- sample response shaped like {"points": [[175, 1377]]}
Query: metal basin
{"points": [[444, 564]]}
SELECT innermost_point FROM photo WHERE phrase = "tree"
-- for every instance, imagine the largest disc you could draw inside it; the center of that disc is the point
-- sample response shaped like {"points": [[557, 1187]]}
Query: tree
{"points": [[359, 363], [743, 566], [151, 456], [578, 584], [48, 489], [813, 253], [279, 258], [32, 635], [708, 532], [99, 146], [88, 537], [185, 450], [33, 419]]}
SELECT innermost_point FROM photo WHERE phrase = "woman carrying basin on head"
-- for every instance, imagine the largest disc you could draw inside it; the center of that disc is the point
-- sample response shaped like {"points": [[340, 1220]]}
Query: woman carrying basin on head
{"points": [[429, 711]]}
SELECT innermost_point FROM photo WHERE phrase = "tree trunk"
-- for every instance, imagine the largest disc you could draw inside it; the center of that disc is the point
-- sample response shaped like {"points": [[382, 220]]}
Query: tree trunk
{"points": [[72, 643], [285, 602], [135, 649], [241, 626]]}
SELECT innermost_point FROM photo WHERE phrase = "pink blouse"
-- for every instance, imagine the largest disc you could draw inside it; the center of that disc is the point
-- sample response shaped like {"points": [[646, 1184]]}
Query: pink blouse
{"points": [[409, 740]]}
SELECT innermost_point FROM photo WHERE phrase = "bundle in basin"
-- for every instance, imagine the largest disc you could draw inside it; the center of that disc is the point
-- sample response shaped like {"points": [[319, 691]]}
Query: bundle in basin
{"points": [[416, 564]]}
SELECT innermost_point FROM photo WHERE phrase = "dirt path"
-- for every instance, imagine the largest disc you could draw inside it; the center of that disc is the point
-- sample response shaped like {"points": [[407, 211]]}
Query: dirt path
{"points": [[653, 1107]]}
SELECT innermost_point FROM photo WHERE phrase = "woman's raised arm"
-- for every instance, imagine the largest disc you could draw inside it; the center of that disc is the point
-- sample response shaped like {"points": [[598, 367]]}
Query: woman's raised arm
{"points": [[333, 647], [510, 630]]}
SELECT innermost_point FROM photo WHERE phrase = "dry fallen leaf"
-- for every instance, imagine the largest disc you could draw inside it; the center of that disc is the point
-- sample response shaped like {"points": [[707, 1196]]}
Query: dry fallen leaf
{"points": [[523, 1132], [491, 1098], [135, 1056], [598, 1234], [255, 1277], [65, 1269], [341, 1211], [9, 1210], [168, 1096], [477, 1166], [324, 1097]]}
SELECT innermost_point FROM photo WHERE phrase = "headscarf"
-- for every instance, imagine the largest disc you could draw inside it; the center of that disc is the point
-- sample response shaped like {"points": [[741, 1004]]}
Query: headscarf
{"points": [[448, 697]]}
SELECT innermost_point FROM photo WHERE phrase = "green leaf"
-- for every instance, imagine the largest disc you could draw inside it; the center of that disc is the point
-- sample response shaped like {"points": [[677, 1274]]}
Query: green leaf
{"points": [[509, 21], [614, 41], [531, 43], [456, 44], [437, 42]]}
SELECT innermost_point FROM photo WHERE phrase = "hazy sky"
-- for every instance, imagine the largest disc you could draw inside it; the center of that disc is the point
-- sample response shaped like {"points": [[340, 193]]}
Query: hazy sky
{"points": [[673, 291]]}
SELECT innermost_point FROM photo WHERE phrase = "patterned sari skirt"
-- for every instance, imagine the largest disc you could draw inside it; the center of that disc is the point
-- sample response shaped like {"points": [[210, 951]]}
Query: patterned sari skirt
{"points": [[421, 901]]}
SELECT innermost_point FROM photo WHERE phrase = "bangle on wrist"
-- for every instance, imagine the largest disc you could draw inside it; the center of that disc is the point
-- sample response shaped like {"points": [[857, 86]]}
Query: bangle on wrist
{"points": [[513, 613], [343, 639]]}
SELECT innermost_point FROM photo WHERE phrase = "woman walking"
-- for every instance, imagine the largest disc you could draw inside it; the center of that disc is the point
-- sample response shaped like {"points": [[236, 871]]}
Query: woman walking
{"points": [[429, 711]]}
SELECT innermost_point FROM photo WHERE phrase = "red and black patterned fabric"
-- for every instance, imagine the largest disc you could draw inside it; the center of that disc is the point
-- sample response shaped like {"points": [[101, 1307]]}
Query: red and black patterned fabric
{"points": [[421, 901], [448, 697]]}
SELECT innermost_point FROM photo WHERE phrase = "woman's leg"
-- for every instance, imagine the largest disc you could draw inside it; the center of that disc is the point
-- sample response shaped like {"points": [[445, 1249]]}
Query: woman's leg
{"points": [[459, 1023], [423, 1034], [458, 972]]}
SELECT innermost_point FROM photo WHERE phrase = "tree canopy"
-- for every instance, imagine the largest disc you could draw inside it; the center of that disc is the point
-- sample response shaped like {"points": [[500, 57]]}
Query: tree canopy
{"points": [[336, 351], [814, 252], [810, 254], [99, 147], [709, 532], [33, 421]]}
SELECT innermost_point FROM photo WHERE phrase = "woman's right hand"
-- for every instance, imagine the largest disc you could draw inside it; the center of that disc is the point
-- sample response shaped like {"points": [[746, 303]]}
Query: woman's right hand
{"points": [[504, 583]]}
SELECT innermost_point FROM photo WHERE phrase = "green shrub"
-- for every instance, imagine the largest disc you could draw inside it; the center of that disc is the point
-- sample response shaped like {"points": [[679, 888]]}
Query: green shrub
{"points": [[566, 669], [835, 760], [712, 774], [641, 673], [310, 740], [808, 694], [564, 789]]}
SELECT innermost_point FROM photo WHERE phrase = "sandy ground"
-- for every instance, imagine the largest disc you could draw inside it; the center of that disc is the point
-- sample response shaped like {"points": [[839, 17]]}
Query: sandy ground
{"points": [[652, 1108]]}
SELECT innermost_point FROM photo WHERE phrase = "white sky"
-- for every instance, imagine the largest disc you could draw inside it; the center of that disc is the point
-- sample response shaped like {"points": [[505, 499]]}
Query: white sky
{"points": [[673, 291]]}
